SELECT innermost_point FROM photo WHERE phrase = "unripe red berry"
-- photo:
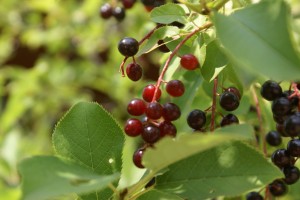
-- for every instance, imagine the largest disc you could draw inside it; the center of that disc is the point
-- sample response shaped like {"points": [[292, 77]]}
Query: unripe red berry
{"points": [[189, 62]]}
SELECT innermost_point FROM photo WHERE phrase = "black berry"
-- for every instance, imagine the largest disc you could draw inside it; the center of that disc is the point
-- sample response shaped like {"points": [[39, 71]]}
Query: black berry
{"points": [[277, 188], [235, 91], [291, 174], [171, 111], [229, 101], [119, 13], [134, 71], [281, 158], [273, 138], [254, 196], [196, 119], [293, 147], [229, 119], [281, 106], [106, 11], [292, 125], [167, 129], [270, 90], [151, 134], [128, 46], [162, 47]]}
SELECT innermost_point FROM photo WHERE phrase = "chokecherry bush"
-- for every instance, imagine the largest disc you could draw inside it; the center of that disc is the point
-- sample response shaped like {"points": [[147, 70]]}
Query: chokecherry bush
{"points": [[222, 120]]}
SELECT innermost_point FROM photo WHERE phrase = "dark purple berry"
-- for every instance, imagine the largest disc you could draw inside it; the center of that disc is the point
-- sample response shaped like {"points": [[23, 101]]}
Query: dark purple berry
{"points": [[134, 71], [291, 174], [162, 47], [137, 158], [128, 3], [277, 188], [293, 147], [294, 101], [229, 119], [171, 111], [128, 46], [280, 129], [136, 107], [167, 129], [196, 119], [254, 196], [175, 88], [270, 90], [229, 101], [106, 11], [119, 13], [281, 106], [235, 91], [154, 110], [133, 127], [273, 138], [281, 158], [292, 125], [151, 134]]}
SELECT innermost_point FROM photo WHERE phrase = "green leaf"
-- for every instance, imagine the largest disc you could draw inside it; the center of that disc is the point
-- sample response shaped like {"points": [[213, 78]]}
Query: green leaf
{"points": [[214, 63], [258, 39], [89, 136], [47, 177], [168, 13], [227, 170], [171, 151]]}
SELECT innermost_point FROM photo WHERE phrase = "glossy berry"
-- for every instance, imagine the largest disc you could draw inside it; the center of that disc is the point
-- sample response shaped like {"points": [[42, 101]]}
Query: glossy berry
{"points": [[189, 62], [106, 11], [154, 110], [128, 3], [281, 158], [292, 174], [196, 119], [175, 88], [229, 119], [137, 158], [273, 138], [294, 101], [292, 125], [281, 106], [171, 111], [151, 134], [254, 196], [133, 127], [119, 13], [136, 107], [128, 46], [279, 119], [280, 129], [148, 93], [270, 90], [167, 129], [277, 188], [162, 47], [235, 91], [229, 101], [293, 147], [134, 71]]}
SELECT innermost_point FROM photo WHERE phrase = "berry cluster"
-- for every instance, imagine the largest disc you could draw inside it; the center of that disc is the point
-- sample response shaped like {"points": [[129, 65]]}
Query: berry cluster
{"points": [[286, 114], [107, 10]]}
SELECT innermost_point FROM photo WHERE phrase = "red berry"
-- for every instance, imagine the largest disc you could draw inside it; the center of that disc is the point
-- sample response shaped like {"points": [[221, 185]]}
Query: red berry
{"points": [[134, 71], [136, 107], [148, 93], [151, 134], [137, 158], [106, 11], [167, 128], [171, 111], [175, 88], [189, 62], [128, 3], [133, 127], [154, 110]]}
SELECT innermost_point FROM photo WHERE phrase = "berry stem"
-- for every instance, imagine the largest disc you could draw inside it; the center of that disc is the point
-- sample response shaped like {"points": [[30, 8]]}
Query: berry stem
{"points": [[214, 105], [122, 66], [150, 33], [160, 79], [296, 93]]}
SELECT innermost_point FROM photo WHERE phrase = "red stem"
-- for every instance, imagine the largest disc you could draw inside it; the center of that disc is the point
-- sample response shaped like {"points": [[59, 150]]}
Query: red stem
{"points": [[160, 78], [150, 33], [214, 105]]}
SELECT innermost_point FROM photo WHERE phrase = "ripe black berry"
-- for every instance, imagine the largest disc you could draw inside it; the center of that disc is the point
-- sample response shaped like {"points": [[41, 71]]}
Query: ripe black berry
{"points": [[277, 188], [134, 71], [175, 88], [281, 158], [154, 110], [167, 128], [196, 119], [119, 13], [281, 106], [106, 11], [229, 101], [162, 47], [273, 138], [293, 147], [128, 46], [292, 125], [136, 107], [294, 100], [189, 62], [280, 129], [292, 174], [137, 158], [151, 134], [254, 196], [235, 91], [148, 93], [229, 119], [270, 90], [171, 111], [133, 127]]}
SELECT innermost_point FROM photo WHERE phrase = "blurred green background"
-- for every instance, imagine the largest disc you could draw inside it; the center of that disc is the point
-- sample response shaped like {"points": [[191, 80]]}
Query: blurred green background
{"points": [[54, 53]]}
